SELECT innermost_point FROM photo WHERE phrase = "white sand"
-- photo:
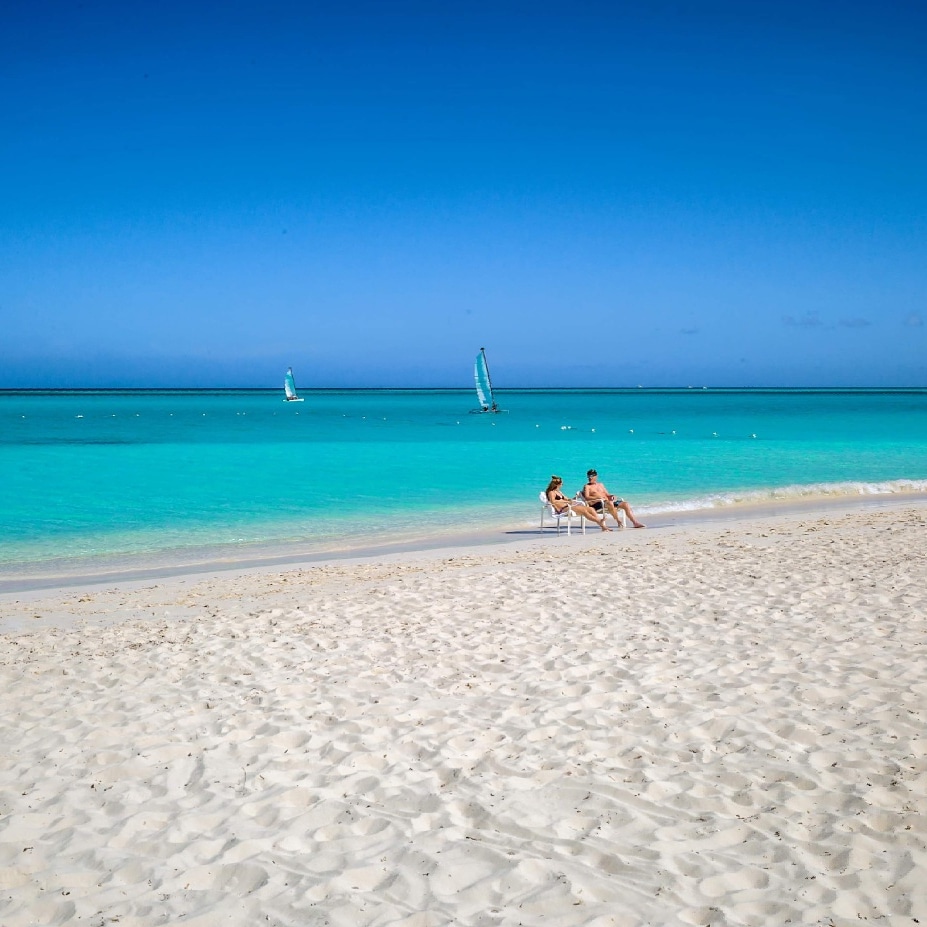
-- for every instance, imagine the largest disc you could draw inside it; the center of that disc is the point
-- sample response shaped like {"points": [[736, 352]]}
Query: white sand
{"points": [[716, 725]]}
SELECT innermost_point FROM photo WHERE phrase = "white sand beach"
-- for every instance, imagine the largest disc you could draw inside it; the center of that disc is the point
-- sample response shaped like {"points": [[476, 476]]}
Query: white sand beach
{"points": [[722, 723]]}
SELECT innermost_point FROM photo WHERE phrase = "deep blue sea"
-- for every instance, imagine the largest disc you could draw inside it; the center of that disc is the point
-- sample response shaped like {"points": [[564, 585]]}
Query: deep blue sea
{"points": [[169, 475]]}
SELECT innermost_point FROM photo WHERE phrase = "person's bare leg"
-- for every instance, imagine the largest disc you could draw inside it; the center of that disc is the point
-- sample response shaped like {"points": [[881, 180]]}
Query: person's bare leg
{"points": [[630, 514], [593, 515], [614, 513]]}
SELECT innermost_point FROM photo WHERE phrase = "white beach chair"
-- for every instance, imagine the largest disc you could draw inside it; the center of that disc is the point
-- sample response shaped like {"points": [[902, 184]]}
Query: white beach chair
{"points": [[549, 512]]}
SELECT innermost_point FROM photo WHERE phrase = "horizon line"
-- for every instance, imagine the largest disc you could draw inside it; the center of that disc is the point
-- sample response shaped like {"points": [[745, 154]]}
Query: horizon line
{"points": [[448, 389]]}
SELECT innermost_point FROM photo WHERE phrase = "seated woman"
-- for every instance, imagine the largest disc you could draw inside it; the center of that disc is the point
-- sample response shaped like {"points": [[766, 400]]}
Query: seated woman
{"points": [[561, 504]]}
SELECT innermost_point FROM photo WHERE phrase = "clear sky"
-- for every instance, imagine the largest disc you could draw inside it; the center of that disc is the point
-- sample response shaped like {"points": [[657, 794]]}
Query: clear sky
{"points": [[600, 193]]}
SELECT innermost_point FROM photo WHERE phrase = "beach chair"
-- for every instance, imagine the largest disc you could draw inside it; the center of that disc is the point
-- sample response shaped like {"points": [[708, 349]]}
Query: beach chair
{"points": [[555, 517]]}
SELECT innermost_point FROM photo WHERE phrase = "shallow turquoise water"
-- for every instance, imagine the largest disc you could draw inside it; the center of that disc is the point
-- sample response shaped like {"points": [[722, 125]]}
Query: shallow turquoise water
{"points": [[88, 474]]}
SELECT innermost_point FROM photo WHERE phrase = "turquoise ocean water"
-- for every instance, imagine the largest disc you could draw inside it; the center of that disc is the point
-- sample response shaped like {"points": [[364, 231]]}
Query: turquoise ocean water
{"points": [[90, 477]]}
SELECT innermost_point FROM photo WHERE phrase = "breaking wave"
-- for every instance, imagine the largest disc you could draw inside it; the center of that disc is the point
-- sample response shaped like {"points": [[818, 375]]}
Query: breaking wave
{"points": [[785, 494]]}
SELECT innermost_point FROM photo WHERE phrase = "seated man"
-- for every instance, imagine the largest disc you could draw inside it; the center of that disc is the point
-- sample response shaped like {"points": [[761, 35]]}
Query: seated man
{"points": [[602, 501]]}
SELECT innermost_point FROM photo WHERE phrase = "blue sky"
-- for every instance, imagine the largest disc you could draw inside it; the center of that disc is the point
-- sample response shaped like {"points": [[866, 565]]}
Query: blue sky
{"points": [[602, 194]]}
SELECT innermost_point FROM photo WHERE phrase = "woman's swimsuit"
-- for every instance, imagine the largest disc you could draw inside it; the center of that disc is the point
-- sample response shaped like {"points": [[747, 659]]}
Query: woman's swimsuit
{"points": [[557, 497]]}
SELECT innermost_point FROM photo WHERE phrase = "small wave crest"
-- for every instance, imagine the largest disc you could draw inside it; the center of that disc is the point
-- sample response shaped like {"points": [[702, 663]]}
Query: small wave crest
{"points": [[780, 494]]}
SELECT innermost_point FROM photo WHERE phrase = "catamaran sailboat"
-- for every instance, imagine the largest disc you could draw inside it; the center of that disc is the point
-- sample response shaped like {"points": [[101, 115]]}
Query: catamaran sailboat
{"points": [[289, 387], [484, 385]]}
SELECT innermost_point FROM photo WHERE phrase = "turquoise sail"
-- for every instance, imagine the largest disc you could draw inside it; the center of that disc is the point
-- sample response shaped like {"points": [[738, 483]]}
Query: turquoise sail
{"points": [[289, 386], [483, 384]]}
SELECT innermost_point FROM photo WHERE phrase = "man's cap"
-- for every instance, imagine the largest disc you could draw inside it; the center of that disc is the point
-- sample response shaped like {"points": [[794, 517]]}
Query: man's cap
{"points": [[592, 473]]}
